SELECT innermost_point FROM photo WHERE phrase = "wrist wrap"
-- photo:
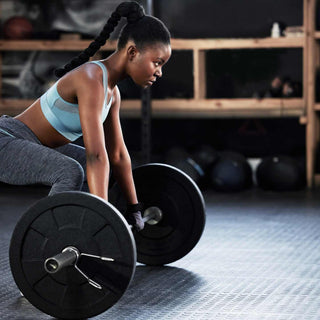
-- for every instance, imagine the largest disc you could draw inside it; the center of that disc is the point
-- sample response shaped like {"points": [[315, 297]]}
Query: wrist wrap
{"points": [[132, 208]]}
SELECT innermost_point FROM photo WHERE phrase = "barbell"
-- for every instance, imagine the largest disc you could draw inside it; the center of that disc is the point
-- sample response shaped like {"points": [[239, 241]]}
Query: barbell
{"points": [[73, 255]]}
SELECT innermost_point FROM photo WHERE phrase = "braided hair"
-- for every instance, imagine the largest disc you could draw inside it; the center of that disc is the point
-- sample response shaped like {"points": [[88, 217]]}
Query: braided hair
{"points": [[140, 28]]}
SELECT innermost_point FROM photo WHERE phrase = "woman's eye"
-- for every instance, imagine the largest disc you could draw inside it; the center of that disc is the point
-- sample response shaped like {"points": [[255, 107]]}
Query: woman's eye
{"points": [[157, 64]]}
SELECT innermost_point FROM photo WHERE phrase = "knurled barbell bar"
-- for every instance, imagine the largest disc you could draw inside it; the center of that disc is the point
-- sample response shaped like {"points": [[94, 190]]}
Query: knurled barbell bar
{"points": [[73, 255]]}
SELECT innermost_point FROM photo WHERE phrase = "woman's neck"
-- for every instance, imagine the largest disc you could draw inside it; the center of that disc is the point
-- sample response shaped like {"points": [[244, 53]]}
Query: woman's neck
{"points": [[116, 66]]}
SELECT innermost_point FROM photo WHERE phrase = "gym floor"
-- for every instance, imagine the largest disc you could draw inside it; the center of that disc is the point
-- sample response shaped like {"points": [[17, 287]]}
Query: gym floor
{"points": [[258, 258]]}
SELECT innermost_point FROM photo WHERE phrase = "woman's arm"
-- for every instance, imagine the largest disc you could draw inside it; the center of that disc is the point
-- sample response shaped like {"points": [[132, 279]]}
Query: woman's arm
{"points": [[90, 94], [117, 151]]}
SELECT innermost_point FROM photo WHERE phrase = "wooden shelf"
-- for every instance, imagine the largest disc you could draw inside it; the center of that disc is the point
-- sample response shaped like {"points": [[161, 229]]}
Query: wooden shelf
{"points": [[177, 44], [255, 43], [195, 108], [226, 107]]}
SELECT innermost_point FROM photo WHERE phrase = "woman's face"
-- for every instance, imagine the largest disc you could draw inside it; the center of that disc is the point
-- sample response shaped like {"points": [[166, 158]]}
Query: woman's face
{"points": [[146, 66]]}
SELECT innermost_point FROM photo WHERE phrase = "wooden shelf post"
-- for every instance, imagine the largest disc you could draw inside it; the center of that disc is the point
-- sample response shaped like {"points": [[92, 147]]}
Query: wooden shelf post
{"points": [[199, 74], [309, 87]]}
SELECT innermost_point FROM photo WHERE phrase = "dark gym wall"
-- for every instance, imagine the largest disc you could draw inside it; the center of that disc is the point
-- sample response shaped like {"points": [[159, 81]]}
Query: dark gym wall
{"points": [[227, 18]]}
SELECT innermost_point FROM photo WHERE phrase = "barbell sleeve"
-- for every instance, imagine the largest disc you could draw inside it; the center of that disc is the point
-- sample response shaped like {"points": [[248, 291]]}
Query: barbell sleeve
{"points": [[67, 257]]}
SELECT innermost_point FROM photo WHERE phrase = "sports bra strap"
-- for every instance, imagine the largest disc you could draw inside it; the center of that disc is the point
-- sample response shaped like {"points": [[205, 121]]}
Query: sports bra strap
{"points": [[105, 74]]}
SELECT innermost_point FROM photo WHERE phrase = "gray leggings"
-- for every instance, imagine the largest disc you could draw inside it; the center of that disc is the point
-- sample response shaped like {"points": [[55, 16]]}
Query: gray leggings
{"points": [[24, 160]]}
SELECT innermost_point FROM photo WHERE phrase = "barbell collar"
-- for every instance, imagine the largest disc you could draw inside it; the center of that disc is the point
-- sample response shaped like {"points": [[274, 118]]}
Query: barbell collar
{"points": [[69, 257], [66, 258]]}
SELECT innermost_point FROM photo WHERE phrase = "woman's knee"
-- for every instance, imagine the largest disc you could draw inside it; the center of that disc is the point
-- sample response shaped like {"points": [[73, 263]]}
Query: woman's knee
{"points": [[70, 177]]}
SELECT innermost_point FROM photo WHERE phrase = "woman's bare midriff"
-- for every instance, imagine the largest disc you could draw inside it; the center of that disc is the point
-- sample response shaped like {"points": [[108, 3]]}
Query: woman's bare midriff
{"points": [[34, 119]]}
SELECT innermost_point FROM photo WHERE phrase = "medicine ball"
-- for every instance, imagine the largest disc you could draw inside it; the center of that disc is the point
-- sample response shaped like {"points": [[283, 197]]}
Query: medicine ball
{"points": [[181, 159], [231, 173], [17, 28], [205, 156], [281, 173]]}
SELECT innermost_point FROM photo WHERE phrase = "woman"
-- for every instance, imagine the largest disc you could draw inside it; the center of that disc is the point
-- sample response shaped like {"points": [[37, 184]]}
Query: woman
{"points": [[35, 146]]}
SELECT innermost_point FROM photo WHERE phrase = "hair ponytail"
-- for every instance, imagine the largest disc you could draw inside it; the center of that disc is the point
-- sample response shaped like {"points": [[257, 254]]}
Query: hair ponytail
{"points": [[130, 10]]}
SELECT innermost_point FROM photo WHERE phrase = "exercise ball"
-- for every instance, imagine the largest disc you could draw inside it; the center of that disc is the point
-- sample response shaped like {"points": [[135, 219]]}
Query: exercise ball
{"points": [[181, 159], [205, 156], [17, 28], [231, 173], [281, 173]]}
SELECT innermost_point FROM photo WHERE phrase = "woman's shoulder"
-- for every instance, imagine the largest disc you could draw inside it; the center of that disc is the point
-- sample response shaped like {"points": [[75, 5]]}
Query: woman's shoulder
{"points": [[88, 74], [91, 70]]}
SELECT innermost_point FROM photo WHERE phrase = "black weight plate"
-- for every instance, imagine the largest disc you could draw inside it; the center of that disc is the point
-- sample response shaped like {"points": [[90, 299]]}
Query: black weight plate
{"points": [[183, 209], [91, 225]]}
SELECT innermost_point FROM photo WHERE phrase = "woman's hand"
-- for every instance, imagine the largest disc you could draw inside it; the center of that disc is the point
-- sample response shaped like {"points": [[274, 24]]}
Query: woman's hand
{"points": [[135, 219]]}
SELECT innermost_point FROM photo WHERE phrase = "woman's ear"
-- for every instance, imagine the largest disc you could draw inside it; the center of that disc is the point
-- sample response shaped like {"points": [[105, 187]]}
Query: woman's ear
{"points": [[132, 52]]}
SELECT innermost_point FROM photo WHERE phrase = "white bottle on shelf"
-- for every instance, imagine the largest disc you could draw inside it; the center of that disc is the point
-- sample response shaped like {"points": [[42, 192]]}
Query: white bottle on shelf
{"points": [[275, 31]]}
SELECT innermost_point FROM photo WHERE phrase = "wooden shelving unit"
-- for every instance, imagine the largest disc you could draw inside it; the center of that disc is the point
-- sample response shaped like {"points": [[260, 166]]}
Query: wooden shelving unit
{"points": [[177, 44], [199, 106]]}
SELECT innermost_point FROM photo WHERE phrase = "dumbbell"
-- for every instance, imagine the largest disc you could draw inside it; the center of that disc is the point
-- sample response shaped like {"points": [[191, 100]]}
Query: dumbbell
{"points": [[73, 255]]}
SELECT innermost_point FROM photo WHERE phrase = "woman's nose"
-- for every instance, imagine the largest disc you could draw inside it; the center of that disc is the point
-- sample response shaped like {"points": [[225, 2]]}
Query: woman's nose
{"points": [[158, 73]]}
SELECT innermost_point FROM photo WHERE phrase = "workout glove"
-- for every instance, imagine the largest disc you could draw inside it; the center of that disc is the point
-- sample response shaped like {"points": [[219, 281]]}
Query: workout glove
{"points": [[135, 219], [133, 216]]}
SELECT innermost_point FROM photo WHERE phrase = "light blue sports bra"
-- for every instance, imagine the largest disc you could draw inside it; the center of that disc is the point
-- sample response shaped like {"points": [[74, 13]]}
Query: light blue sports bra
{"points": [[63, 115]]}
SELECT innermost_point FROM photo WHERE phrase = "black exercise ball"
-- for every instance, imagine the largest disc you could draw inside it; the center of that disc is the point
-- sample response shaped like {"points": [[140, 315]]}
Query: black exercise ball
{"points": [[205, 156], [181, 159], [281, 173], [231, 173]]}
